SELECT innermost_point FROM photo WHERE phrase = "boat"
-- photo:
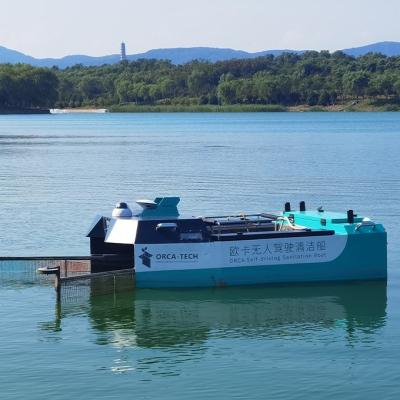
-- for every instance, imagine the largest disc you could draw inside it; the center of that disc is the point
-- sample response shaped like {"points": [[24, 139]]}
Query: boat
{"points": [[167, 250]]}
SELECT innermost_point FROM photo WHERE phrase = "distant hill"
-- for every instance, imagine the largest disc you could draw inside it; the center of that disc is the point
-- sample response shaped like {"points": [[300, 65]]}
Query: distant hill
{"points": [[179, 55], [13, 57], [176, 55], [387, 48], [183, 55]]}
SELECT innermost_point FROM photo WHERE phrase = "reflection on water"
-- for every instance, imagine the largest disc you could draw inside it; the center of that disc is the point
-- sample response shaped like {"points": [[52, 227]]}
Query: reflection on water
{"points": [[160, 331], [165, 318]]}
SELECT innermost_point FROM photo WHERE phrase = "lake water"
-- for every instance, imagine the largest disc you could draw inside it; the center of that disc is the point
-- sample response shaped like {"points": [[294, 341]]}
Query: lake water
{"points": [[328, 341]]}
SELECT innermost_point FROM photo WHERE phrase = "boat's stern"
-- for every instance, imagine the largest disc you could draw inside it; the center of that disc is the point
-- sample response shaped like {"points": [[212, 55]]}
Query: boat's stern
{"points": [[365, 254]]}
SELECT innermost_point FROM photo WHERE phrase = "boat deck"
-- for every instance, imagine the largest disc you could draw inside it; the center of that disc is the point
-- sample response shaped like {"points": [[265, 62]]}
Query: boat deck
{"points": [[257, 226]]}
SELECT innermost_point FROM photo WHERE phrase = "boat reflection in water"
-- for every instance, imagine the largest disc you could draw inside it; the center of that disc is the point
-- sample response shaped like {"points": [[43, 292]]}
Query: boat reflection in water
{"points": [[164, 318]]}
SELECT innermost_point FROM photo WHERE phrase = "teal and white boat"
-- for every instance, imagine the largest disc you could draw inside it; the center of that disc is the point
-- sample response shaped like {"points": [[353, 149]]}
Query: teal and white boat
{"points": [[167, 250]]}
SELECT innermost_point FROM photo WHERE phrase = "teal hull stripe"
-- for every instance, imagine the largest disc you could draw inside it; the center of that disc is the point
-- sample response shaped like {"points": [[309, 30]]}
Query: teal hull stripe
{"points": [[256, 275]]}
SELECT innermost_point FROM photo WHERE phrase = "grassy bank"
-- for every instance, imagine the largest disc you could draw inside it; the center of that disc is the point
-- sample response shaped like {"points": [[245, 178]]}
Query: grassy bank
{"points": [[196, 108], [360, 106], [353, 106]]}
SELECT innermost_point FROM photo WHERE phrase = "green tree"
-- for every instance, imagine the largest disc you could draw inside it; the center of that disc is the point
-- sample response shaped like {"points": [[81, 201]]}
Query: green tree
{"points": [[356, 83]]}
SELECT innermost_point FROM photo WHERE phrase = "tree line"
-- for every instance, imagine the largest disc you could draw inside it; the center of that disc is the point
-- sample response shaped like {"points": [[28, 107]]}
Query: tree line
{"points": [[312, 78], [24, 86]]}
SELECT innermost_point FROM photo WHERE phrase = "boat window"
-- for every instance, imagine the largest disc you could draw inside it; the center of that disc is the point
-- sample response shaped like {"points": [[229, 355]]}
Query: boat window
{"points": [[194, 236]]}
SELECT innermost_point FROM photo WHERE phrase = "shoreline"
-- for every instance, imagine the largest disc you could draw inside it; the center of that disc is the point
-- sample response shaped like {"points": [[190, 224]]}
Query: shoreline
{"points": [[350, 107], [135, 108], [24, 111]]}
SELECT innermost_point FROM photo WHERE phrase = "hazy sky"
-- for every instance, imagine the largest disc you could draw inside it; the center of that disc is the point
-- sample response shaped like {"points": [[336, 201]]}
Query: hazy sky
{"points": [[50, 28]]}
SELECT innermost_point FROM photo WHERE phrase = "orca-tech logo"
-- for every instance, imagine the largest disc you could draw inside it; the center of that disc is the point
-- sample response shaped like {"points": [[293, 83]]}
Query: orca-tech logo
{"points": [[146, 257]]}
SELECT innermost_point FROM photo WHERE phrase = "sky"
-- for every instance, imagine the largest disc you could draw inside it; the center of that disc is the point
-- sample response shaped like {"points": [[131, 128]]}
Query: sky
{"points": [[50, 28]]}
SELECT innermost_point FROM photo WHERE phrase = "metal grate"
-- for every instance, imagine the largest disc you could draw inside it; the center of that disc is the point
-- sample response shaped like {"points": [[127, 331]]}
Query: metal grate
{"points": [[81, 288], [76, 283], [22, 272]]}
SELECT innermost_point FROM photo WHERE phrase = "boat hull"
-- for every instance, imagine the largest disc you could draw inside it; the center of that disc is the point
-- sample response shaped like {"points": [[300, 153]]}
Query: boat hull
{"points": [[342, 258]]}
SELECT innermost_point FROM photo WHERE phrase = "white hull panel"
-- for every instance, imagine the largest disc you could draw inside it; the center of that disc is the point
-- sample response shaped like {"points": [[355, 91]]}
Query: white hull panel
{"points": [[224, 254]]}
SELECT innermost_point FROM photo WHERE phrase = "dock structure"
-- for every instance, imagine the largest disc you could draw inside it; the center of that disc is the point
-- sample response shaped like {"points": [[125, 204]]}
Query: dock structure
{"points": [[68, 265], [71, 276]]}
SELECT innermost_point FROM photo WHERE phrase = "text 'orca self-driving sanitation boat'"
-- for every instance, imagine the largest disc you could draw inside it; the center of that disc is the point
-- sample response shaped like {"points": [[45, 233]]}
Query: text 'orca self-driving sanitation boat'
{"points": [[167, 250]]}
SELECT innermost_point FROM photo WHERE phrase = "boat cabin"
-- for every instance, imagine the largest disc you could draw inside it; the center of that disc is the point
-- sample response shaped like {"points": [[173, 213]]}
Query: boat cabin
{"points": [[112, 239]]}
